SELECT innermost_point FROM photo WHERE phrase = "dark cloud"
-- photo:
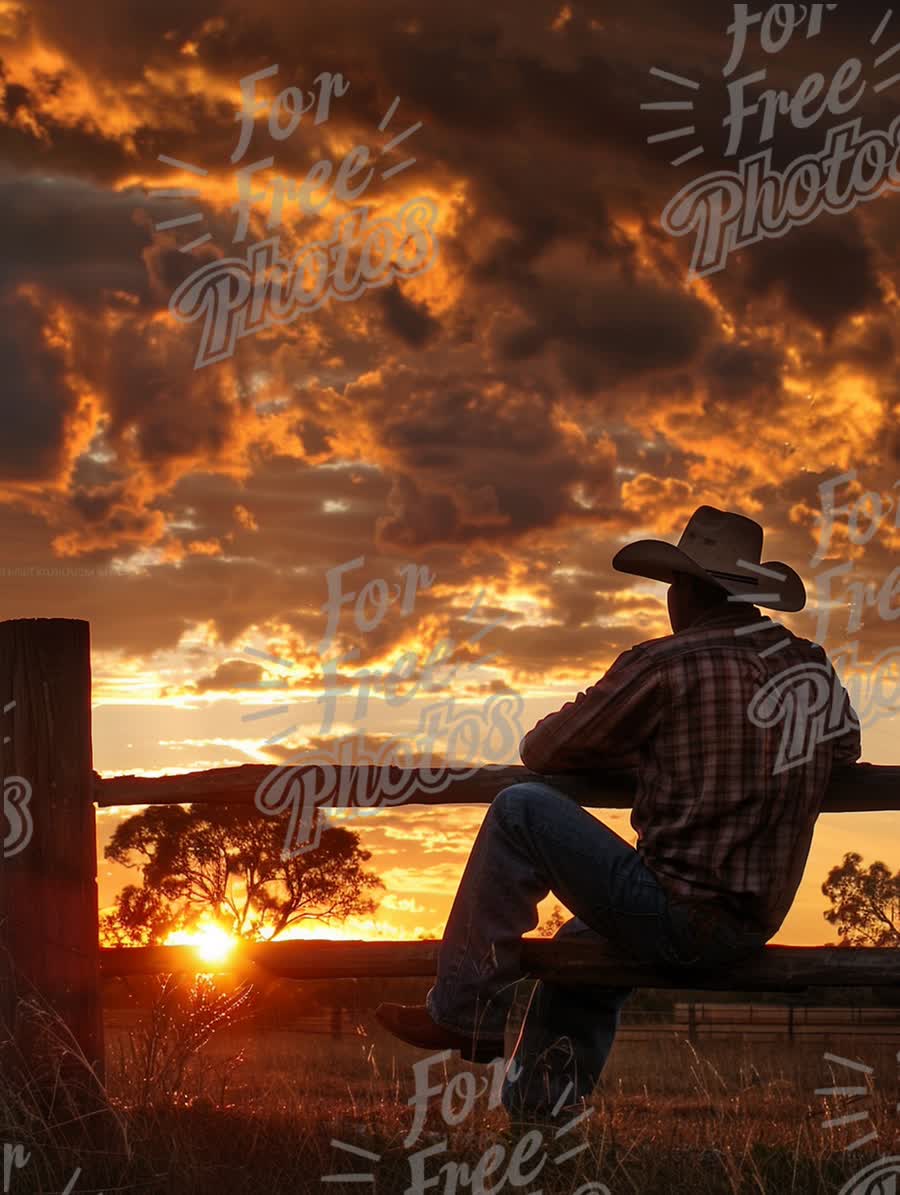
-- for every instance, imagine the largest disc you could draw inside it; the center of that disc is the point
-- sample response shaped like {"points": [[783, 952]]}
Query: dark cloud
{"points": [[744, 372], [233, 674], [825, 272], [605, 329], [71, 237], [36, 399], [411, 321]]}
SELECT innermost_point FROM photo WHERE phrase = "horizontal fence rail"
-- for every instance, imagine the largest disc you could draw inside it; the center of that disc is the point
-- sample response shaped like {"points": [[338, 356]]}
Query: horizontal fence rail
{"points": [[859, 788], [776, 968], [828, 1015]]}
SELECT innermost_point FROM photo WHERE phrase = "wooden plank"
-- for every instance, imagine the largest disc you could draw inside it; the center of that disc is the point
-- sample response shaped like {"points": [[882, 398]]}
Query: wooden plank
{"points": [[775, 968], [860, 788], [48, 888]]}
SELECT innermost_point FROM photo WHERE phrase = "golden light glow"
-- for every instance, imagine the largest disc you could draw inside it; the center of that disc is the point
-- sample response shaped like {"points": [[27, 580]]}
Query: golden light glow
{"points": [[213, 943]]}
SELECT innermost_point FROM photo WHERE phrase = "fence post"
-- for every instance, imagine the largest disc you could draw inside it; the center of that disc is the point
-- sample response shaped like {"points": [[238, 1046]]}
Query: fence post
{"points": [[48, 883]]}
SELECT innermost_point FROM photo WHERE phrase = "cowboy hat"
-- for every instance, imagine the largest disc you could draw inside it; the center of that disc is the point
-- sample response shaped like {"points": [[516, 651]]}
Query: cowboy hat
{"points": [[723, 549]]}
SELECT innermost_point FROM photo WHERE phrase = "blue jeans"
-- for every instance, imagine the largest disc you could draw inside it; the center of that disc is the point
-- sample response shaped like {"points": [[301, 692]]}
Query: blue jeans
{"points": [[534, 841]]}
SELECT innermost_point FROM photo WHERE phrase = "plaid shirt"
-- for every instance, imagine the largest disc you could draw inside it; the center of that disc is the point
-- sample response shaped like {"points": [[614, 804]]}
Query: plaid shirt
{"points": [[722, 823]]}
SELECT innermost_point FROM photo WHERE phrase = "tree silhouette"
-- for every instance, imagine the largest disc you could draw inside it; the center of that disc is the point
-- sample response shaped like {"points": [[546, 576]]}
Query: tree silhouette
{"points": [[140, 917], [865, 903], [224, 862]]}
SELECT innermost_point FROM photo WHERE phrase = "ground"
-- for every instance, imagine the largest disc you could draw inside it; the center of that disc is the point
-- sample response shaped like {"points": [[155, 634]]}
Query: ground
{"points": [[275, 1110]]}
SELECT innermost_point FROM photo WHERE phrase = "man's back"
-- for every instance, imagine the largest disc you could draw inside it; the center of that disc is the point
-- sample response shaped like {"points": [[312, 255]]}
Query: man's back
{"points": [[734, 754]]}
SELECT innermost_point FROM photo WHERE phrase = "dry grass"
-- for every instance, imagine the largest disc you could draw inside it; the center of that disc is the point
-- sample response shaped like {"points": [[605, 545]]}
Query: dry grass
{"points": [[240, 1109]]}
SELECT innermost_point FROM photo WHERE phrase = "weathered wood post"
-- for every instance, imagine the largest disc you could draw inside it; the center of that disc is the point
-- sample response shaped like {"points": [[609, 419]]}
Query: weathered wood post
{"points": [[48, 871], [692, 1022]]}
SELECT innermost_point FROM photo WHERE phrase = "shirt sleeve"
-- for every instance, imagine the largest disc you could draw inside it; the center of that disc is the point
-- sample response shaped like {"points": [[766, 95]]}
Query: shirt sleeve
{"points": [[844, 732], [847, 747], [603, 726]]}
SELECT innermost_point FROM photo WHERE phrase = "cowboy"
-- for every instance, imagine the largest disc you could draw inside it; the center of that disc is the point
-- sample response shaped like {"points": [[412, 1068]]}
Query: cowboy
{"points": [[723, 831]]}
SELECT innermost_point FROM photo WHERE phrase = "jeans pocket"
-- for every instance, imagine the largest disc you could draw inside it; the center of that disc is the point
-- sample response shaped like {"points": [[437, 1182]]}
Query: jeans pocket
{"points": [[703, 938], [677, 946]]}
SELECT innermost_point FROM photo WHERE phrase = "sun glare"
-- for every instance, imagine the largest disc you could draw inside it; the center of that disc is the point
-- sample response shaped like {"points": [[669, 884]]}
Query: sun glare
{"points": [[212, 942]]}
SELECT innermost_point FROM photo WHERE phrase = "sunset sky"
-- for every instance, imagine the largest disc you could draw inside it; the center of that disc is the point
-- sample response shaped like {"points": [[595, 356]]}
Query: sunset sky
{"points": [[553, 387]]}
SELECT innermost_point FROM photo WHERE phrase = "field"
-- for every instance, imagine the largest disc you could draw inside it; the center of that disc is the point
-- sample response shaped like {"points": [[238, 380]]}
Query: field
{"points": [[260, 1108]]}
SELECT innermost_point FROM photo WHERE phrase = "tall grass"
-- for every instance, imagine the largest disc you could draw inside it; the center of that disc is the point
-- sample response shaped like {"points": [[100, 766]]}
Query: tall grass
{"points": [[198, 1099]]}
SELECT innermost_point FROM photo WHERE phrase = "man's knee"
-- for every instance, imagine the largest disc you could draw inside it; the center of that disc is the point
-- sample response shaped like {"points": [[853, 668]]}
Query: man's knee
{"points": [[518, 800]]}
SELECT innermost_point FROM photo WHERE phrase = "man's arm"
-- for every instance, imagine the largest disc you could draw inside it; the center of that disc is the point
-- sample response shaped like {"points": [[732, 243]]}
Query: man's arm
{"points": [[848, 747], [604, 725]]}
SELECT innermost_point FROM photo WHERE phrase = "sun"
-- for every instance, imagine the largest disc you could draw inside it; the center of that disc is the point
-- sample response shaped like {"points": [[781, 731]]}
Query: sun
{"points": [[216, 944], [213, 943]]}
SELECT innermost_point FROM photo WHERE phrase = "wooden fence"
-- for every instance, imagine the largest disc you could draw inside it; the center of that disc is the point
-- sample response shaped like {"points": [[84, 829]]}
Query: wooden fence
{"points": [[732, 1022], [770, 1022], [48, 891]]}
